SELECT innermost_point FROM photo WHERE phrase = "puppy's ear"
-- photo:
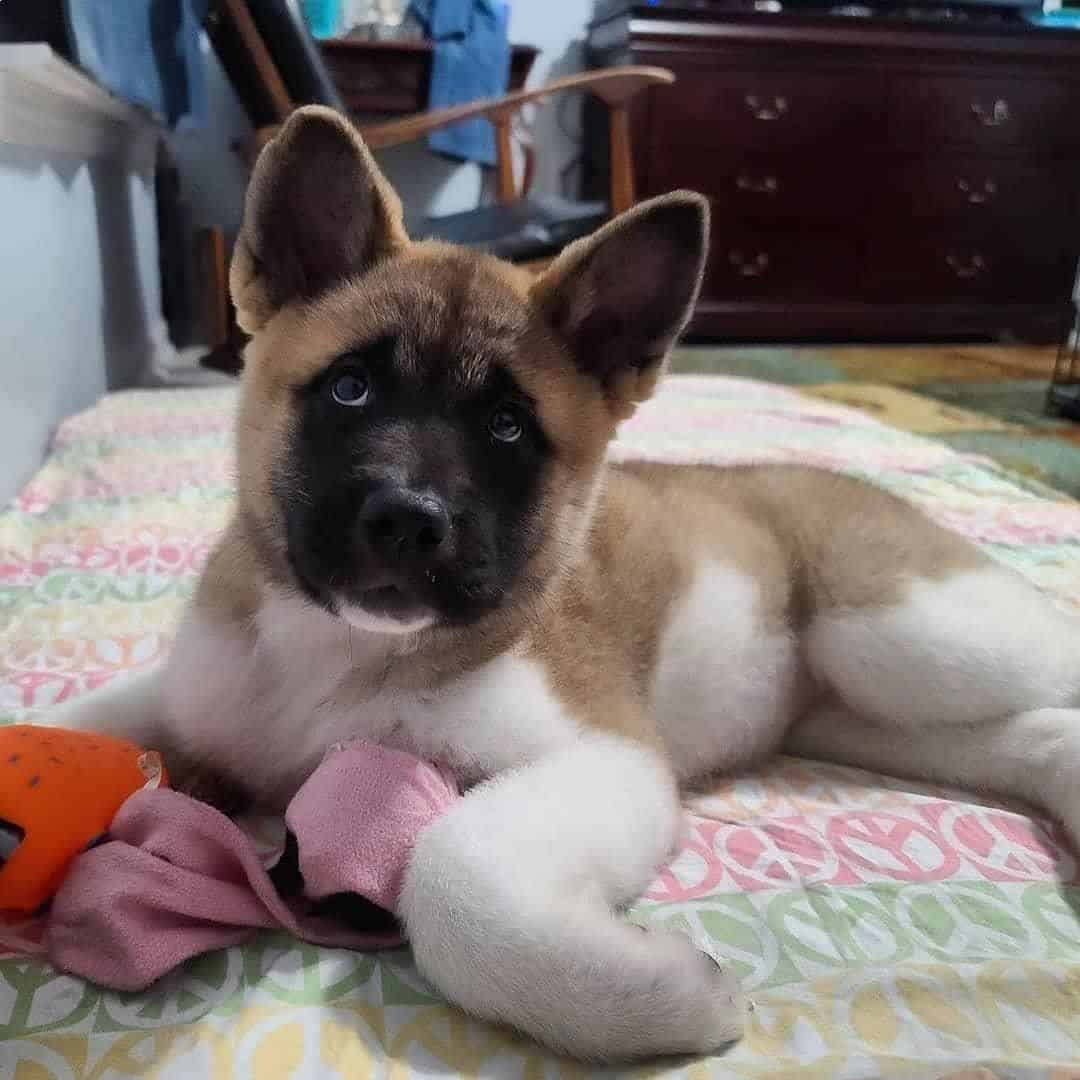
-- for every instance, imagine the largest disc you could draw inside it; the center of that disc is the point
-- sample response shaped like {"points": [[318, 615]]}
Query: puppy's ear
{"points": [[621, 297], [317, 211]]}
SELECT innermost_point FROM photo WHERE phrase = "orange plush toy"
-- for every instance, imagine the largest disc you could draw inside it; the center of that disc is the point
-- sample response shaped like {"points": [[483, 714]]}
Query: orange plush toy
{"points": [[59, 792]]}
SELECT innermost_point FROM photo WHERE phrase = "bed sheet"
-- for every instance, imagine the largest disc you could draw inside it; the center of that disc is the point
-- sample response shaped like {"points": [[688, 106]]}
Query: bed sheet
{"points": [[881, 929]]}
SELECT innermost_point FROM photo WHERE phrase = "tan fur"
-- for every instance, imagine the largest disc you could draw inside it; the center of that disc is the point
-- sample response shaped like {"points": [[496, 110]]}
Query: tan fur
{"points": [[468, 305], [624, 544], [651, 528], [834, 541], [230, 582], [473, 307], [810, 540], [568, 292]]}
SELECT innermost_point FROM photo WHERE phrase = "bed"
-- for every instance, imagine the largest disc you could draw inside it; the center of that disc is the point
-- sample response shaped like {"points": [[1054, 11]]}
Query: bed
{"points": [[883, 929]]}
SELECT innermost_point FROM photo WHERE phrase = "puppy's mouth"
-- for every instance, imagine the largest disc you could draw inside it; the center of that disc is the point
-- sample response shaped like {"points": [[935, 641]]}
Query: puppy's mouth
{"points": [[387, 600], [388, 609]]}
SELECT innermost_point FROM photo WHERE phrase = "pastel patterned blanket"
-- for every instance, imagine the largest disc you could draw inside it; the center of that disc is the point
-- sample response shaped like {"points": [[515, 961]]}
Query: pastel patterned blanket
{"points": [[882, 931]]}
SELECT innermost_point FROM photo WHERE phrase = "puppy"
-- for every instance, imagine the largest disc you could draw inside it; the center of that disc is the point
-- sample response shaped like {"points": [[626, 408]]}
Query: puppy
{"points": [[428, 550]]}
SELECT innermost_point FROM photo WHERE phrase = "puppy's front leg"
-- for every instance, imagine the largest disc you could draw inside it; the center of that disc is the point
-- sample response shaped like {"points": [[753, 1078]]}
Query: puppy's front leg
{"points": [[133, 707], [509, 905], [130, 707]]}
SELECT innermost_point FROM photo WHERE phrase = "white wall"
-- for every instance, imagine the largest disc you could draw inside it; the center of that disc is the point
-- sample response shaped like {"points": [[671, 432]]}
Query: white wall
{"points": [[212, 176], [559, 28], [79, 288], [79, 291]]}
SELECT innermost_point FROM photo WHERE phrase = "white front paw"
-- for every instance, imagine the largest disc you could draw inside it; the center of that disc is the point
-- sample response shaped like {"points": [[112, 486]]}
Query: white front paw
{"points": [[714, 1005], [731, 1004]]}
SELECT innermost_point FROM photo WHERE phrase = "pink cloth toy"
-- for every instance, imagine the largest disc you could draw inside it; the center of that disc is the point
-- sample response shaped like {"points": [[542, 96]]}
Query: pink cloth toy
{"points": [[177, 878]]}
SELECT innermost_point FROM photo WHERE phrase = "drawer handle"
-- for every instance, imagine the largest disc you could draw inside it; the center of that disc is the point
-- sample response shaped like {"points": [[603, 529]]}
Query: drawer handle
{"points": [[975, 195], [966, 271], [763, 111], [993, 116], [767, 185], [754, 267]]}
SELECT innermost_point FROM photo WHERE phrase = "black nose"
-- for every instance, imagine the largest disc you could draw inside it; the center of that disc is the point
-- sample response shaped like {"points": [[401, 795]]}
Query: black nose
{"points": [[398, 522]]}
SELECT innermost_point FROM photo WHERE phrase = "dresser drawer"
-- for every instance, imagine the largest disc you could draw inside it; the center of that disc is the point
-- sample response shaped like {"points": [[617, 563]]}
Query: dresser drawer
{"points": [[767, 187], [974, 189], [993, 114], [763, 109], [750, 262], [934, 261], [367, 85]]}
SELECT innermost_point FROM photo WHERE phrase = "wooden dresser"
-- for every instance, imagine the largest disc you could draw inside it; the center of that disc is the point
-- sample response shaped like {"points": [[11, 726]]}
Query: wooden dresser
{"points": [[868, 177]]}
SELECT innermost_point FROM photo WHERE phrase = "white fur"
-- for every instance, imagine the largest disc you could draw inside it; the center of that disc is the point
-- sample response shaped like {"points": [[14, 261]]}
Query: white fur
{"points": [[503, 714], [129, 706], [362, 619], [982, 644], [531, 941], [1032, 755], [509, 901], [725, 687], [268, 706], [965, 681], [510, 898]]}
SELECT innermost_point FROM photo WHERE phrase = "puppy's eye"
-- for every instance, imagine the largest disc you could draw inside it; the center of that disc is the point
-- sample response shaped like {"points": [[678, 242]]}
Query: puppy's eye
{"points": [[352, 388], [506, 425]]}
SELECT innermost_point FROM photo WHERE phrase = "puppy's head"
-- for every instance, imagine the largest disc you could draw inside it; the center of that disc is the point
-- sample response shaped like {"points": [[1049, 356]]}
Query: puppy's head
{"points": [[422, 427]]}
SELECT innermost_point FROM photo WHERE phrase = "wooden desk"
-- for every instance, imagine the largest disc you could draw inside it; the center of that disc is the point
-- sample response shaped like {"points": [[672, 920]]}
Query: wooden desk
{"points": [[393, 77]]}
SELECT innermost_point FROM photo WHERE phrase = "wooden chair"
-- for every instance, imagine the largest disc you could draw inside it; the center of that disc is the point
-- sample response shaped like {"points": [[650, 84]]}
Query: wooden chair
{"points": [[519, 225]]}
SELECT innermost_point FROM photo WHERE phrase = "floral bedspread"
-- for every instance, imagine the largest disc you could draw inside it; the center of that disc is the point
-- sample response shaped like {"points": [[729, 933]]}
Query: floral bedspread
{"points": [[882, 929]]}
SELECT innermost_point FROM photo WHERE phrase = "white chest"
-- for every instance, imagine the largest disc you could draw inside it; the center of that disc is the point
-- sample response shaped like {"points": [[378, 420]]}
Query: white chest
{"points": [[269, 711]]}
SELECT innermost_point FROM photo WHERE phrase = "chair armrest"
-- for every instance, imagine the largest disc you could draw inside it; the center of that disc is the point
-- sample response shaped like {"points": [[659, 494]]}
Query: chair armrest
{"points": [[614, 86]]}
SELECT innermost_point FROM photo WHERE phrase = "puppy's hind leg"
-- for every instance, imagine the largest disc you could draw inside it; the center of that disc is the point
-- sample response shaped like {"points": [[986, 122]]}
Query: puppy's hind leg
{"points": [[972, 680], [1033, 756], [509, 906]]}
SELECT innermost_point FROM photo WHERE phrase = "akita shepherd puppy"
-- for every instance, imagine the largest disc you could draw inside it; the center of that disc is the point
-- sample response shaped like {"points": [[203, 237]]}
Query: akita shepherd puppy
{"points": [[430, 551]]}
